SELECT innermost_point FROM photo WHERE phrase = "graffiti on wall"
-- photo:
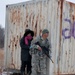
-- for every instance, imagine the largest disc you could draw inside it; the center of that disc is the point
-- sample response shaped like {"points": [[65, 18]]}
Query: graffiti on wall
{"points": [[70, 30]]}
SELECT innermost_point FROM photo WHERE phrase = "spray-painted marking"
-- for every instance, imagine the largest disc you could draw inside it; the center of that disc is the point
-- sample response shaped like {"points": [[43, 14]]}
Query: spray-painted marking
{"points": [[70, 31]]}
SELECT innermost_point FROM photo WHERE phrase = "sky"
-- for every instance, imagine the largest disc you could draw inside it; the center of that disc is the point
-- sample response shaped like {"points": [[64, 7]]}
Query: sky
{"points": [[3, 4]]}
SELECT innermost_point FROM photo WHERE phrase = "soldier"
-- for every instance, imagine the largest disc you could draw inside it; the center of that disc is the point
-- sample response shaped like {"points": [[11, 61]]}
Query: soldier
{"points": [[40, 49]]}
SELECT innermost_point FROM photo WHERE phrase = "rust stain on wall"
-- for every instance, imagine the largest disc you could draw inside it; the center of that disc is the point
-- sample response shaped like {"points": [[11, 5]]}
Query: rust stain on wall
{"points": [[15, 16]]}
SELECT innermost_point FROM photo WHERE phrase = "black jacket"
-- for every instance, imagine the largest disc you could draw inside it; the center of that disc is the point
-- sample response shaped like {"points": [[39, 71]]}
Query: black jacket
{"points": [[25, 56]]}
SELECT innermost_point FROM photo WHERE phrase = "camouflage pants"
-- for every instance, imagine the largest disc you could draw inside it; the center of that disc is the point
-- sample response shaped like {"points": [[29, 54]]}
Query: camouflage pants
{"points": [[39, 65]]}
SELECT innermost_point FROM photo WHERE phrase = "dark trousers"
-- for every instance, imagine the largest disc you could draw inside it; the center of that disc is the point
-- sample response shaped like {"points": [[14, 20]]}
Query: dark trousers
{"points": [[24, 64]]}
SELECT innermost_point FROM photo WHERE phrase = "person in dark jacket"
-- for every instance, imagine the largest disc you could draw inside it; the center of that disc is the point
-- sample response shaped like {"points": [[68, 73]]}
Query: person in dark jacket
{"points": [[25, 56]]}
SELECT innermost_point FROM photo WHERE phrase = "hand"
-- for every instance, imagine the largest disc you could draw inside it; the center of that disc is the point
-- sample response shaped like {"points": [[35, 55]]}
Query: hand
{"points": [[39, 48]]}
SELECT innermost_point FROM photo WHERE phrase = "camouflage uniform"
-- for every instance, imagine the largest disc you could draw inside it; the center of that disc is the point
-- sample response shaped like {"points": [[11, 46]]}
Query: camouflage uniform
{"points": [[39, 59]]}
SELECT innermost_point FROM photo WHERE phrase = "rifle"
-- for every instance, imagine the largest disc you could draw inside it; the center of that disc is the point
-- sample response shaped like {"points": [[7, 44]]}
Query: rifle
{"points": [[45, 51]]}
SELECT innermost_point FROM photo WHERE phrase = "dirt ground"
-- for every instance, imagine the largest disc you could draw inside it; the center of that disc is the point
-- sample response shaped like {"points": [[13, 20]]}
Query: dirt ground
{"points": [[1, 57]]}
